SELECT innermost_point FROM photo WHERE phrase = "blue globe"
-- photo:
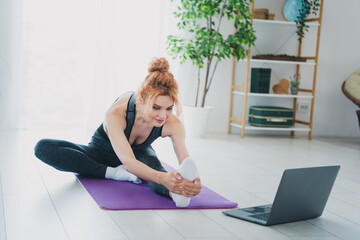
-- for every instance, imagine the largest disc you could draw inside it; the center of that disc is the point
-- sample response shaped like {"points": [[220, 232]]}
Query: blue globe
{"points": [[291, 9]]}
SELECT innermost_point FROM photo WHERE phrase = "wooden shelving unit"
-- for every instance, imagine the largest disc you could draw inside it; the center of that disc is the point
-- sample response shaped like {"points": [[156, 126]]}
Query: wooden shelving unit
{"points": [[243, 90], [273, 95]]}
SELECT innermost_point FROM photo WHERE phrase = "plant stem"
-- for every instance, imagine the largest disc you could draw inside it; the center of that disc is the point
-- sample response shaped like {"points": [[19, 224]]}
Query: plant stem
{"points": [[208, 65], [206, 81], [221, 16], [212, 75], [198, 87], [207, 85]]}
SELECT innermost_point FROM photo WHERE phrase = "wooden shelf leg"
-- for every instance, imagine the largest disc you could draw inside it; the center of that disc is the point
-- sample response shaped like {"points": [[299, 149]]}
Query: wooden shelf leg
{"points": [[294, 118], [231, 93]]}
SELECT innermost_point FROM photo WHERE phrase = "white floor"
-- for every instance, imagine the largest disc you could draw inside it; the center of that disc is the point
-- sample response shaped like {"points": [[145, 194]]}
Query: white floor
{"points": [[39, 202]]}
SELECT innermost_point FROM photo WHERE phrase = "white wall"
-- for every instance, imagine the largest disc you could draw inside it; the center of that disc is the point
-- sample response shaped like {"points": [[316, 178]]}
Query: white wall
{"points": [[10, 62], [84, 56], [80, 55], [339, 56]]}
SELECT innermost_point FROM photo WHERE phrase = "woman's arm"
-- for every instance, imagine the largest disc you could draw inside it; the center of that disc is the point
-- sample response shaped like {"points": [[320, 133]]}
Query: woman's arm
{"points": [[115, 124], [177, 136], [175, 130]]}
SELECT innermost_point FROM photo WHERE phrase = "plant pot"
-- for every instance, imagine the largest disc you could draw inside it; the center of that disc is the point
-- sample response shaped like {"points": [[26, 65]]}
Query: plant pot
{"points": [[195, 120], [294, 90]]}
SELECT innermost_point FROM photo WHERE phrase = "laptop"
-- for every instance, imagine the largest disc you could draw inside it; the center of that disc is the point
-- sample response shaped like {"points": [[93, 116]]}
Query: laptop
{"points": [[302, 194]]}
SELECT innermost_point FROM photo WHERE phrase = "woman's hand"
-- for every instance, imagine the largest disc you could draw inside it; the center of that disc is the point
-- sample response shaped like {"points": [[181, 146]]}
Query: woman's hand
{"points": [[190, 188], [172, 181]]}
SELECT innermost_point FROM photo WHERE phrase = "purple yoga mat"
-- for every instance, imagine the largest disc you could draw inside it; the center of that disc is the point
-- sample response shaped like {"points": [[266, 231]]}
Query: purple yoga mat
{"points": [[118, 195]]}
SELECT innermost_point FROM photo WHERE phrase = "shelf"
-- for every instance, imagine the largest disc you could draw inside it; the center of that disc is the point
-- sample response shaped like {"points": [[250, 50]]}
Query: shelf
{"points": [[297, 127], [277, 22], [273, 31], [278, 62], [274, 95]]}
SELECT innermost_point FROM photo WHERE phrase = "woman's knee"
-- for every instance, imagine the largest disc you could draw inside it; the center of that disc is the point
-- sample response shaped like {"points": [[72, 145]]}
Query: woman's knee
{"points": [[149, 158], [44, 150], [153, 162]]}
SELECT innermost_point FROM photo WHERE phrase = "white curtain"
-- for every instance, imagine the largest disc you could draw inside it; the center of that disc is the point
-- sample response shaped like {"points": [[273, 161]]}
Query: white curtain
{"points": [[80, 55]]}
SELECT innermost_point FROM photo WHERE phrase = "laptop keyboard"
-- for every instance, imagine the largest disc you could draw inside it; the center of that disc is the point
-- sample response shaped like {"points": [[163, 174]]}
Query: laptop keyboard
{"points": [[263, 216]]}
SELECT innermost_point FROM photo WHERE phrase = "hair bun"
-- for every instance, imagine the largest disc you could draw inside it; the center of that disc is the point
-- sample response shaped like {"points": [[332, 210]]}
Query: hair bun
{"points": [[159, 65]]}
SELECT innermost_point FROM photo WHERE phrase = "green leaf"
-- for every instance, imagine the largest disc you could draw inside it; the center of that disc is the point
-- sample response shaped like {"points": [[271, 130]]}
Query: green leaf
{"points": [[203, 41]]}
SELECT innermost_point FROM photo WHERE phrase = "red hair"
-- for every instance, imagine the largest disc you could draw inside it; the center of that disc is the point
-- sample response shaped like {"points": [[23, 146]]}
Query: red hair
{"points": [[159, 82]]}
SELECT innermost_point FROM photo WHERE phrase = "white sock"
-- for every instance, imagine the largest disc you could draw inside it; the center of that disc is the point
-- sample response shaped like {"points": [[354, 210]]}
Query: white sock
{"points": [[189, 171], [119, 173]]}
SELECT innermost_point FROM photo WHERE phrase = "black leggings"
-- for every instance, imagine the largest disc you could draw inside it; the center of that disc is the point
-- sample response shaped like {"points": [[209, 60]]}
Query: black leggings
{"points": [[90, 161]]}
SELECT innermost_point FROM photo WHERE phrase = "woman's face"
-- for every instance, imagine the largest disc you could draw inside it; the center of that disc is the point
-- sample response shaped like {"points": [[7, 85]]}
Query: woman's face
{"points": [[160, 110]]}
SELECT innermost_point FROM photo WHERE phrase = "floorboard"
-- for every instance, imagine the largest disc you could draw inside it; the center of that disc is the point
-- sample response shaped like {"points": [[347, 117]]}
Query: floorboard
{"points": [[39, 202]]}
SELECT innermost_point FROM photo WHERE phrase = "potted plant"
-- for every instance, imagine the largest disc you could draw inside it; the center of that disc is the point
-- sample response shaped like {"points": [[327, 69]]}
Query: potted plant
{"points": [[294, 84], [203, 44]]}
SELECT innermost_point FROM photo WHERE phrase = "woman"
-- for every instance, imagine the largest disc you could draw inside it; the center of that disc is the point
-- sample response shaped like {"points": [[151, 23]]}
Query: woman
{"points": [[120, 149]]}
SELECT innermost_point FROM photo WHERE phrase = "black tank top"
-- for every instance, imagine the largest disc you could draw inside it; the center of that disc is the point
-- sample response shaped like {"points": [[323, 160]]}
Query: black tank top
{"points": [[130, 119], [101, 141]]}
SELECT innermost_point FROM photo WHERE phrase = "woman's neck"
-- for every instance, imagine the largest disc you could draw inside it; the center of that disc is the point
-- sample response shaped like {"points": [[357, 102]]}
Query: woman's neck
{"points": [[139, 116]]}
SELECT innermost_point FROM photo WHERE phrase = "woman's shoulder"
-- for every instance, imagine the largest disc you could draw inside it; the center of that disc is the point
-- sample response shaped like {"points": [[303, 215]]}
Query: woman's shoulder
{"points": [[172, 126], [119, 107], [121, 102]]}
